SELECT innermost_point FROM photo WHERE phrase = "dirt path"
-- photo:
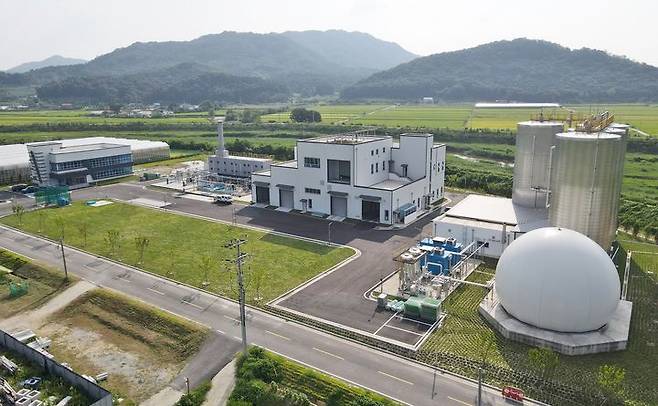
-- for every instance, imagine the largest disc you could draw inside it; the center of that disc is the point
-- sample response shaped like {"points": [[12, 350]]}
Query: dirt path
{"points": [[38, 317]]}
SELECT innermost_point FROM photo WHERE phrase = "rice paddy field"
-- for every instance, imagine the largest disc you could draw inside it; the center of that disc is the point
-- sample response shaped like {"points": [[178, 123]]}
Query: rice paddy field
{"points": [[459, 116]]}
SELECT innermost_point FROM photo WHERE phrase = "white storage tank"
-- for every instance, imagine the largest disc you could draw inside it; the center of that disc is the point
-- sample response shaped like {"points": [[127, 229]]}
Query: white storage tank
{"points": [[586, 178], [534, 140]]}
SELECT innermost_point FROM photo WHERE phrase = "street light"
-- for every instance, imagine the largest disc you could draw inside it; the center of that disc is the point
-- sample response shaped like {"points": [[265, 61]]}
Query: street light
{"points": [[329, 233]]}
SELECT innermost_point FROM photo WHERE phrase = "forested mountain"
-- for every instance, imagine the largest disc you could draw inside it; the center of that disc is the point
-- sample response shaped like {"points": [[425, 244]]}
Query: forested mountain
{"points": [[522, 70], [352, 49], [55, 60], [283, 64]]}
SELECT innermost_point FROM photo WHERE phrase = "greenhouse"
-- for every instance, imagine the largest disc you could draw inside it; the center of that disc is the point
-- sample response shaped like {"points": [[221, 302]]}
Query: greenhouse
{"points": [[14, 164]]}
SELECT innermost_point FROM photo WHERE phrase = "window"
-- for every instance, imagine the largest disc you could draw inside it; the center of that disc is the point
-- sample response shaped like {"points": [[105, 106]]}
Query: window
{"points": [[383, 165], [372, 152], [377, 167], [377, 151], [384, 150], [312, 191], [339, 171], [311, 162], [310, 203], [372, 169]]}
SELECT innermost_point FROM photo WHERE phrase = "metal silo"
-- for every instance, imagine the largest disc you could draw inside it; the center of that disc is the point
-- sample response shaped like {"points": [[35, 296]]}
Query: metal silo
{"points": [[534, 140], [586, 181]]}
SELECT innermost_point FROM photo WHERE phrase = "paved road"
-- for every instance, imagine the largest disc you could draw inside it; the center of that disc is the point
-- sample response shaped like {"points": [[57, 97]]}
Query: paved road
{"points": [[408, 382]]}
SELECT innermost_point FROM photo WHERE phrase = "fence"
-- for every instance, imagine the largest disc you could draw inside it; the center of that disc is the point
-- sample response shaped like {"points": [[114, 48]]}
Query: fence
{"points": [[96, 394]]}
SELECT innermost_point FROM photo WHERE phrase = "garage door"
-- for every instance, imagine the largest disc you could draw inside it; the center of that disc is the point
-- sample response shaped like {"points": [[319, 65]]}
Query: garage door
{"points": [[339, 206], [370, 211], [262, 194], [286, 199]]}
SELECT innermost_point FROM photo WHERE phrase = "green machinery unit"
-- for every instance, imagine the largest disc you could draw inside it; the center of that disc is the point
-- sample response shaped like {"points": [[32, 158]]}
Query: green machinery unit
{"points": [[423, 308], [17, 289]]}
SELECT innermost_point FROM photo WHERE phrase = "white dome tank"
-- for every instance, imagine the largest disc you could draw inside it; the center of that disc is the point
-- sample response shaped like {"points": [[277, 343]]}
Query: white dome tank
{"points": [[558, 279]]}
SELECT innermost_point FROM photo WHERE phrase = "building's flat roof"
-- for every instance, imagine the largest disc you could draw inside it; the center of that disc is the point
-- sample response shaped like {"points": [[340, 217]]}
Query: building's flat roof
{"points": [[346, 139], [287, 164], [389, 184], [498, 210], [87, 147]]}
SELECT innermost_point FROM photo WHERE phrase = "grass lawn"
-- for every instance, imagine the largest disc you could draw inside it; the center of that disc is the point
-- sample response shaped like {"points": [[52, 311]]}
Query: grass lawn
{"points": [[42, 284], [465, 332], [178, 245], [141, 347]]}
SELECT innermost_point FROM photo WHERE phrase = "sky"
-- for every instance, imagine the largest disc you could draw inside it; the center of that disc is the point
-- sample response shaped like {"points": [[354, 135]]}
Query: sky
{"points": [[36, 29]]}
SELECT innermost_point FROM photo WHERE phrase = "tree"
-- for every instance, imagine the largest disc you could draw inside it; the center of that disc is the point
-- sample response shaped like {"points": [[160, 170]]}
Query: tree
{"points": [[60, 224], [18, 209], [83, 228], [141, 243], [635, 229], [116, 108], [544, 360], [206, 264], [302, 115], [610, 379], [113, 239], [207, 106]]}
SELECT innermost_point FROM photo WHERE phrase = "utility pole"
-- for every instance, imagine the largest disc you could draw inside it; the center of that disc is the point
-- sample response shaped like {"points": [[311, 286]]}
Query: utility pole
{"points": [[239, 259], [479, 386], [66, 272]]}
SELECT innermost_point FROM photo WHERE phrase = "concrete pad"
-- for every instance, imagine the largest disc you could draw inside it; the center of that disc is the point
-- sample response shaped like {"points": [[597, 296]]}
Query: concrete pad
{"points": [[611, 337], [222, 386], [149, 202], [283, 209], [166, 397]]}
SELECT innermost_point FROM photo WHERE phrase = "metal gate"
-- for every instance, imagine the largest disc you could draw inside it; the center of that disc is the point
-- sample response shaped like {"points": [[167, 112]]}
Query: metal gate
{"points": [[369, 211], [338, 206], [262, 194], [286, 199]]}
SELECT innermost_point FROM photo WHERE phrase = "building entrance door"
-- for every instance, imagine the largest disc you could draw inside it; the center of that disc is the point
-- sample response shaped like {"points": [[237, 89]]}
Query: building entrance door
{"points": [[339, 206]]}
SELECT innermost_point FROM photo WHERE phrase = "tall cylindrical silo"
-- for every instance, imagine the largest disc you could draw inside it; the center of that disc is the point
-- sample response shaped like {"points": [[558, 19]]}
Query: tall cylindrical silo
{"points": [[534, 140], [586, 181]]}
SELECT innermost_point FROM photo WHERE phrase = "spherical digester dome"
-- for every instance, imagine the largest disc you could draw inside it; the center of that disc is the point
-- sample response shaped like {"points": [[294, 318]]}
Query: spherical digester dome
{"points": [[558, 279]]}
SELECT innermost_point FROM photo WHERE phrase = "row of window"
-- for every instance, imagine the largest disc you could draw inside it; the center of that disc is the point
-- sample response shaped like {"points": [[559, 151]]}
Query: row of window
{"points": [[375, 167], [93, 163], [110, 173], [310, 162], [376, 151], [312, 191]]}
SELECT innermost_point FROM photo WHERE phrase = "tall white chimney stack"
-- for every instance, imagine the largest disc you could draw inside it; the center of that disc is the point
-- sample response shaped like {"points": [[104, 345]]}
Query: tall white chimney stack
{"points": [[221, 150]]}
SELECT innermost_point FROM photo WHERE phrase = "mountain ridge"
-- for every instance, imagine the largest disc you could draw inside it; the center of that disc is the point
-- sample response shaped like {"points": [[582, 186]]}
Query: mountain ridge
{"points": [[55, 60]]}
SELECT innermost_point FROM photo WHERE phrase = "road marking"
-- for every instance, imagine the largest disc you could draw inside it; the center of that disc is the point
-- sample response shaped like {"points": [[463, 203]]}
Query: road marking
{"points": [[395, 377], [231, 318], [328, 353], [459, 401], [277, 335], [124, 279], [394, 314], [156, 291], [238, 338], [220, 332], [405, 330], [192, 304]]}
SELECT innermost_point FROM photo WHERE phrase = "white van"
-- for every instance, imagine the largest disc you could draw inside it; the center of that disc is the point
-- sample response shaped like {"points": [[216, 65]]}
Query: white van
{"points": [[224, 199]]}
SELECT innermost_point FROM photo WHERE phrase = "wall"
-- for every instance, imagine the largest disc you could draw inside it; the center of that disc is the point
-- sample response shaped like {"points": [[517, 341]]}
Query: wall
{"points": [[467, 233], [375, 155], [100, 396], [236, 166]]}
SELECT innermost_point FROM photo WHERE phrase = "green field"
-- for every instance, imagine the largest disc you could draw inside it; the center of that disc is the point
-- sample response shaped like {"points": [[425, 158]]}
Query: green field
{"points": [[82, 116], [465, 334], [179, 243], [460, 116]]}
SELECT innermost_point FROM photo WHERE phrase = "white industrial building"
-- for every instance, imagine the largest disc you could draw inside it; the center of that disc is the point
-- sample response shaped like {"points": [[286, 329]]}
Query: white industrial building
{"points": [[53, 164], [358, 175], [15, 159], [564, 179], [225, 164]]}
